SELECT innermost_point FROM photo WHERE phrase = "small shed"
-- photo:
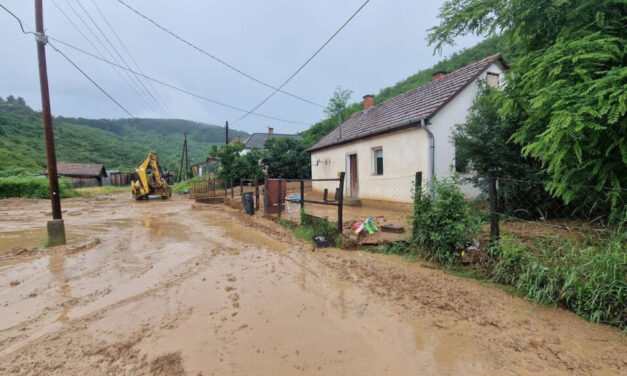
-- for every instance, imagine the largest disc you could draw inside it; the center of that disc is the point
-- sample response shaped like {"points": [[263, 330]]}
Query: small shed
{"points": [[118, 178], [82, 174]]}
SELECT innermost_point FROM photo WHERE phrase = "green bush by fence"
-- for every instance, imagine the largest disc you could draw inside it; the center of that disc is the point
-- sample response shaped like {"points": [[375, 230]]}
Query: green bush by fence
{"points": [[33, 187]]}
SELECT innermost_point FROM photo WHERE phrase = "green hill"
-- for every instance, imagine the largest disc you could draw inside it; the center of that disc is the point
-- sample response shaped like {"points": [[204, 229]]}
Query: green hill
{"points": [[118, 144], [486, 48]]}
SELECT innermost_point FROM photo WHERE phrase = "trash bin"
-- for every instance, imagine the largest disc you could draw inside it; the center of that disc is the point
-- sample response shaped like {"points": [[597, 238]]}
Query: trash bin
{"points": [[248, 202]]}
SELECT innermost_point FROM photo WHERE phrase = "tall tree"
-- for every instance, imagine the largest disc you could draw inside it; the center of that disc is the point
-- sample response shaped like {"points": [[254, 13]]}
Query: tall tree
{"points": [[568, 85], [286, 158]]}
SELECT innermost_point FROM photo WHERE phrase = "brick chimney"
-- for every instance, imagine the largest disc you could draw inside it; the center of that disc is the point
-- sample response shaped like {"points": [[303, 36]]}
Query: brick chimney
{"points": [[368, 101], [439, 74], [270, 130]]}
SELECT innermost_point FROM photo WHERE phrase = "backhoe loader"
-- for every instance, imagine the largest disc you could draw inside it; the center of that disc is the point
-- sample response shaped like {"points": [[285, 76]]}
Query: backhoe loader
{"points": [[149, 179]]}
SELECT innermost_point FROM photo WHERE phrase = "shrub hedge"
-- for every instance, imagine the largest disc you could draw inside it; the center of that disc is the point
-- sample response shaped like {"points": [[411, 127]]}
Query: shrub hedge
{"points": [[33, 187]]}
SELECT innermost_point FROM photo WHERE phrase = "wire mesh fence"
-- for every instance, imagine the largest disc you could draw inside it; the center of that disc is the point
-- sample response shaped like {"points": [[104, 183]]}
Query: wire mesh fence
{"points": [[529, 202], [393, 189]]}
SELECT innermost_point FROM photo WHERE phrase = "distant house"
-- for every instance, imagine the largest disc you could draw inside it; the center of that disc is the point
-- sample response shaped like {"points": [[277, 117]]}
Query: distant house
{"points": [[82, 174], [258, 140], [205, 168], [382, 147]]}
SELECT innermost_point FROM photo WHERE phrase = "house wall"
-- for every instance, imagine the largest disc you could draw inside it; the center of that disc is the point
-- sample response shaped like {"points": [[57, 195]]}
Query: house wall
{"points": [[404, 153], [80, 182], [443, 124]]}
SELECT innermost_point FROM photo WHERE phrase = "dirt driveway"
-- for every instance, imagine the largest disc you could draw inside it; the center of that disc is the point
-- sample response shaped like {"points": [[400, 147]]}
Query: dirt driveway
{"points": [[174, 288]]}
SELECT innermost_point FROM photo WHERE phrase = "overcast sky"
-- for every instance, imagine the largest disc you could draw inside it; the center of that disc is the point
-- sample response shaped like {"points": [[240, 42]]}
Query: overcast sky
{"points": [[268, 39]]}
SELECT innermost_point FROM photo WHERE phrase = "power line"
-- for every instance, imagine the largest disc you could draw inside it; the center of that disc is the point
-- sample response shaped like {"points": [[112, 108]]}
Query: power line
{"points": [[90, 79], [68, 59], [218, 59], [306, 62], [163, 102], [80, 31], [126, 77], [175, 87], [137, 80], [104, 35]]}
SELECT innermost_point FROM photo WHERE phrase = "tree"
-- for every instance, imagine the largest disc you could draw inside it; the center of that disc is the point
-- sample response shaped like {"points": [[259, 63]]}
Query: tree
{"points": [[286, 158], [567, 87], [234, 165], [11, 99], [21, 102]]}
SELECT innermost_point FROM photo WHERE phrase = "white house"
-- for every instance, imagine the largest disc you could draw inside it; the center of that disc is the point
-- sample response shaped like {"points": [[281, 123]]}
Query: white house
{"points": [[382, 147]]}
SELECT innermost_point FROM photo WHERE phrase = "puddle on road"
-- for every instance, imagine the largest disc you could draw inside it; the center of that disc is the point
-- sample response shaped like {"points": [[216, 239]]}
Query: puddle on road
{"points": [[10, 240], [160, 228]]}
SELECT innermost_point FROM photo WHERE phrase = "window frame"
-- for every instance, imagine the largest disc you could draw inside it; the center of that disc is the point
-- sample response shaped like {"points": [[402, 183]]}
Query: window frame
{"points": [[375, 171]]}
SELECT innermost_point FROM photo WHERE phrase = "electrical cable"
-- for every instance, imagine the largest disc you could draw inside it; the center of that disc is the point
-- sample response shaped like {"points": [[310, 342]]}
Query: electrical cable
{"points": [[175, 87], [128, 78], [124, 62], [204, 52], [306, 62], [159, 97], [69, 60]]}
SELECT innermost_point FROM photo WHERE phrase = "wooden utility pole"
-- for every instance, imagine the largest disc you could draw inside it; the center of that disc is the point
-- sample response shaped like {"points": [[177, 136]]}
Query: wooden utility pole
{"points": [[56, 228], [226, 128], [184, 157]]}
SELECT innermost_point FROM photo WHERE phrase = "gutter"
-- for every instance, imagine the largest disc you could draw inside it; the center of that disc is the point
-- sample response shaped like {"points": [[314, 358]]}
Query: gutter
{"points": [[423, 124]]}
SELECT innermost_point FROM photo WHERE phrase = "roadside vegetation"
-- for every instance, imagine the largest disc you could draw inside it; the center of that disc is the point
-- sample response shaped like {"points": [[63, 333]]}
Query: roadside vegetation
{"points": [[33, 187], [102, 190], [309, 227]]}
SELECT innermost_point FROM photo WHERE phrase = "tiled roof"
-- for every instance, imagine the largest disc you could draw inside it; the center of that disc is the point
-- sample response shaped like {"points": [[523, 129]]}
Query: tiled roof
{"points": [[257, 140], [80, 169], [407, 108]]}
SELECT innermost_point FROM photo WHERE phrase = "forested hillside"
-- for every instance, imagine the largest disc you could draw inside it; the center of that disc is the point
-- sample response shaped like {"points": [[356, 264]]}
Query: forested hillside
{"points": [[456, 61], [119, 144]]}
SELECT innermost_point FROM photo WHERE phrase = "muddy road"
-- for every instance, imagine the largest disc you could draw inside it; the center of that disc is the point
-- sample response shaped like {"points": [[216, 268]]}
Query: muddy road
{"points": [[176, 288]]}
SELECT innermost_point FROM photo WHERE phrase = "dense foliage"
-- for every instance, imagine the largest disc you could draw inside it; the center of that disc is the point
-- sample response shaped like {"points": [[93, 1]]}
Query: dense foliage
{"points": [[118, 144], [32, 187], [286, 158], [591, 281], [567, 87], [443, 224], [236, 166], [455, 61]]}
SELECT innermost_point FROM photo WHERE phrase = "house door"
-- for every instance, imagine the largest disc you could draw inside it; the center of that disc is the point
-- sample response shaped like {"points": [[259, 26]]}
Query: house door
{"points": [[353, 178]]}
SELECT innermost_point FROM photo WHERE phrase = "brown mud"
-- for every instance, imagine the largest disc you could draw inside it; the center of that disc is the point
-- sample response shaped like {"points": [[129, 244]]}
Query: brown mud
{"points": [[176, 288]]}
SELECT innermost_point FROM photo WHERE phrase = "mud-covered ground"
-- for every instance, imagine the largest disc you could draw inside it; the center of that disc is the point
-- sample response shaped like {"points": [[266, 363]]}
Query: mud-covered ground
{"points": [[174, 288]]}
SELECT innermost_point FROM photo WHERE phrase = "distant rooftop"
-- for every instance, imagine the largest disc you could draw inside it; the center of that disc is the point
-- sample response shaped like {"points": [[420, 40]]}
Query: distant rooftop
{"points": [[257, 140], [80, 169]]}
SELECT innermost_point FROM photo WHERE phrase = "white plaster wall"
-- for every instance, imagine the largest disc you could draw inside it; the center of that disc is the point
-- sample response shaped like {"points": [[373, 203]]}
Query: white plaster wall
{"points": [[404, 153], [443, 124]]}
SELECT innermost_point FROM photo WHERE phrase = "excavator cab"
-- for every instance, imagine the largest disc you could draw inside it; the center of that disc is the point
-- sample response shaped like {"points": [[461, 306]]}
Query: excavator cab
{"points": [[150, 179]]}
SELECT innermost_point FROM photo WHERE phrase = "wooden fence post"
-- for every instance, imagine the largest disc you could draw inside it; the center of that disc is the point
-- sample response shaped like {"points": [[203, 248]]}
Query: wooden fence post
{"points": [[418, 183], [280, 195], [232, 194], [256, 194], [340, 205], [266, 203], [302, 194], [494, 217], [241, 190]]}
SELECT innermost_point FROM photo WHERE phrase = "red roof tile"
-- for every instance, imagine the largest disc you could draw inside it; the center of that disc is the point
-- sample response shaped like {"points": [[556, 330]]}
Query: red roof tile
{"points": [[407, 108]]}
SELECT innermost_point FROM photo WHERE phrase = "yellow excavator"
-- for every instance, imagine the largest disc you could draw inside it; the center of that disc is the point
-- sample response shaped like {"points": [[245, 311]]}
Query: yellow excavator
{"points": [[149, 179]]}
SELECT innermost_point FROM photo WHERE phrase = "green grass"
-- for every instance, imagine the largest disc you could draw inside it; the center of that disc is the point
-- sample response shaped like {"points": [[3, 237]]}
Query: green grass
{"points": [[33, 187], [307, 231], [104, 190]]}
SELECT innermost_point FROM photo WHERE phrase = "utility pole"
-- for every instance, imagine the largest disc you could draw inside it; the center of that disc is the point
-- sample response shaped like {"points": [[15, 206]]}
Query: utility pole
{"points": [[227, 133], [56, 228], [184, 157]]}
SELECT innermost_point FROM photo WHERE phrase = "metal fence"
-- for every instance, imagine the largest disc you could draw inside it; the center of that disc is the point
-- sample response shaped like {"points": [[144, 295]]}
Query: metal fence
{"points": [[526, 206], [207, 188], [287, 198]]}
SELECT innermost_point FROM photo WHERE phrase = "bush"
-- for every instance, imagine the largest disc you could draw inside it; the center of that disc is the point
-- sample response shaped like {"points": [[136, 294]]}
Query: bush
{"points": [[592, 282], [33, 187], [444, 225]]}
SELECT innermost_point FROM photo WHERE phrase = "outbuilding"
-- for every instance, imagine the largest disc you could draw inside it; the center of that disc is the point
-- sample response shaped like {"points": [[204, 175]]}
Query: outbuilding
{"points": [[82, 174]]}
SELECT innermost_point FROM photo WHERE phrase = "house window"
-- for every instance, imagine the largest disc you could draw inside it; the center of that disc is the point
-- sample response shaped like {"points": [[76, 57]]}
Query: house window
{"points": [[493, 79], [378, 161]]}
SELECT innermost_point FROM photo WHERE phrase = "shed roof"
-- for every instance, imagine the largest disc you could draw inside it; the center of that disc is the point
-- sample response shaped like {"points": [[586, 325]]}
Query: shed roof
{"points": [[80, 169], [257, 140], [407, 108]]}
